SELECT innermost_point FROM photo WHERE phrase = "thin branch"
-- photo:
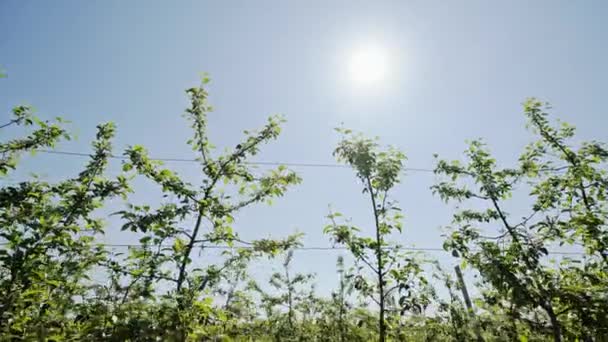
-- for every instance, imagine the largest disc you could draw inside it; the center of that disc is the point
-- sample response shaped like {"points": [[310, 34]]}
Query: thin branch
{"points": [[362, 258], [392, 289], [9, 123]]}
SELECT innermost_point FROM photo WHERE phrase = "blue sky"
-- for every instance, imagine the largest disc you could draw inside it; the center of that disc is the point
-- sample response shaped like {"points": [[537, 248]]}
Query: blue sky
{"points": [[459, 70]]}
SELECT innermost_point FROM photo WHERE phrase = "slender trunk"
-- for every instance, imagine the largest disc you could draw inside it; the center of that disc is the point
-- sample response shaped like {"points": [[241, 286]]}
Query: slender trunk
{"points": [[381, 292], [182, 267], [181, 301], [341, 322], [555, 325], [181, 333], [379, 261], [341, 311], [289, 293], [290, 313]]}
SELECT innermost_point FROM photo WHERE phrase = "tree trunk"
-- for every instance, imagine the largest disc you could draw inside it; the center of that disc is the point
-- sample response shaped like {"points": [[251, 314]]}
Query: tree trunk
{"points": [[381, 322], [555, 326]]}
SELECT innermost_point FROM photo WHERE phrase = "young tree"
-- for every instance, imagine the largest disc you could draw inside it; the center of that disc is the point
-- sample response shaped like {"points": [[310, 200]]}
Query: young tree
{"points": [[568, 191], [288, 293], [340, 298], [209, 208], [48, 232], [378, 171]]}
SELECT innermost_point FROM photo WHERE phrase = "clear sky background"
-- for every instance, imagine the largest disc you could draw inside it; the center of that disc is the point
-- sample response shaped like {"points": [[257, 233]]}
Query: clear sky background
{"points": [[459, 70]]}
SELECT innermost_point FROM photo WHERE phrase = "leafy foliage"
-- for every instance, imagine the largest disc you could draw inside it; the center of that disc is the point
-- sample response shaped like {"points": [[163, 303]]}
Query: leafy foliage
{"points": [[378, 171], [568, 207], [49, 232], [57, 282]]}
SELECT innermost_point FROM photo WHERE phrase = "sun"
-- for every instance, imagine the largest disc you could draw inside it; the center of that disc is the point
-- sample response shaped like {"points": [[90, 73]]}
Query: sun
{"points": [[368, 65]]}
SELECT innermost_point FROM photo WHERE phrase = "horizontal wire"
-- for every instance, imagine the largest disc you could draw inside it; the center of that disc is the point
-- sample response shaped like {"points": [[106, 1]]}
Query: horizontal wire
{"points": [[78, 154], [261, 163], [318, 248], [303, 248]]}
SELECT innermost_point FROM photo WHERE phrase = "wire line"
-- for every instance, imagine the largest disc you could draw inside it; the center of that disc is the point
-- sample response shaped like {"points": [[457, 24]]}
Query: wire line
{"points": [[261, 163], [266, 163], [303, 248]]}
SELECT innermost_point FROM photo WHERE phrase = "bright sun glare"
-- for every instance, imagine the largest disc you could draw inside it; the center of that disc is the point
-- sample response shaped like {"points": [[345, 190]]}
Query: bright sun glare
{"points": [[368, 65]]}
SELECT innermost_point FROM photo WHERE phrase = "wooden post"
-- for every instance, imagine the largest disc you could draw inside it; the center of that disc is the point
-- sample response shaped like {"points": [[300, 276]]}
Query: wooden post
{"points": [[467, 300], [463, 288]]}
